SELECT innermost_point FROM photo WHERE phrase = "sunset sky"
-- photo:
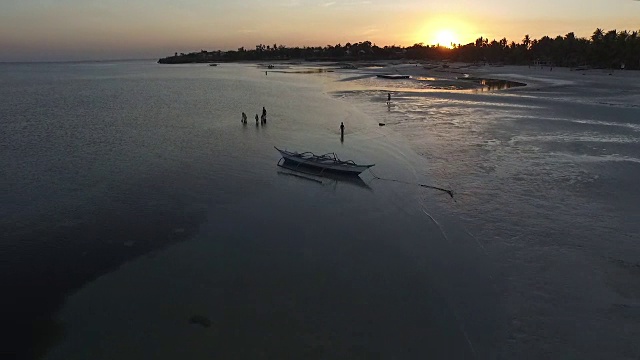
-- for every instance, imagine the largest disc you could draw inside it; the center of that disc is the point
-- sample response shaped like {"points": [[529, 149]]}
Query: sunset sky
{"points": [[41, 30]]}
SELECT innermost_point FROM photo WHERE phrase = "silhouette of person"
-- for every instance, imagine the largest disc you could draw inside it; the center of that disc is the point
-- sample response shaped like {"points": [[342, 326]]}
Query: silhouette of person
{"points": [[264, 115], [256, 119], [342, 129], [244, 118], [389, 97]]}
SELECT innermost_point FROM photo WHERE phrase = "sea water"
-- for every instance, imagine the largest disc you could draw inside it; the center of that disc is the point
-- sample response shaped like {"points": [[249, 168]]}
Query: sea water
{"points": [[137, 202]]}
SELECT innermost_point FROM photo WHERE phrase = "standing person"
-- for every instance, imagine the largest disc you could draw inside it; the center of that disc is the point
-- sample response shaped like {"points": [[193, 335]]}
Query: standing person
{"points": [[264, 112], [342, 129], [389, 97], [244, 118], [256, 119]]}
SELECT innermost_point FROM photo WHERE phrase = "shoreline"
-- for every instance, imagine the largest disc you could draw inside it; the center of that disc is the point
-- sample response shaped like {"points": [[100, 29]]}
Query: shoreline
{"points": [[433, 77]]}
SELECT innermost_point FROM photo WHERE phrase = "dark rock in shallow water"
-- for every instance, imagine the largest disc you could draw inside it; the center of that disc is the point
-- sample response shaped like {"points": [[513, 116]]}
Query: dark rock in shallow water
{"points": [[200, 320]]}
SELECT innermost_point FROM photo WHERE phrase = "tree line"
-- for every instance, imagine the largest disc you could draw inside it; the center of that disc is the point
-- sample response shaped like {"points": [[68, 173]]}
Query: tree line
{"points": [[611, 49]]}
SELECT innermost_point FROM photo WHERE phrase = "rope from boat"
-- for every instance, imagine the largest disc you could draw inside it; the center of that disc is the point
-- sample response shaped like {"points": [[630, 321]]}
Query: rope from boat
{"points": [[450, 192]]}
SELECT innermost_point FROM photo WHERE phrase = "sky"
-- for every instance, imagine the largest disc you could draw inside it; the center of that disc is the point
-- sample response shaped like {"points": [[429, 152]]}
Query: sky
{"points": [[59, 30]]}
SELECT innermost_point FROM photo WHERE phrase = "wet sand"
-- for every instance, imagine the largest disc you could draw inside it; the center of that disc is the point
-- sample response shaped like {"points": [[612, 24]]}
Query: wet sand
{"points": [[543, 175]]}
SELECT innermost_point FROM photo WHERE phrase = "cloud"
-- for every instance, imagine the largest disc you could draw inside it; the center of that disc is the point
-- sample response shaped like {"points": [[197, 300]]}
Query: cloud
{"points": [[369, 31]]}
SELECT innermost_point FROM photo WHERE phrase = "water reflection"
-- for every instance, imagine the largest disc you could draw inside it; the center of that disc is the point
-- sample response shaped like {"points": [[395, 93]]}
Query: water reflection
{"points": [[325, 178], [493, 84]]}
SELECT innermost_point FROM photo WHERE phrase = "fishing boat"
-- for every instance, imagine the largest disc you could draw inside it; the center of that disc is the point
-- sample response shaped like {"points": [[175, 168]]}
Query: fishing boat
{"points": [[328, 162], [394, 76]]}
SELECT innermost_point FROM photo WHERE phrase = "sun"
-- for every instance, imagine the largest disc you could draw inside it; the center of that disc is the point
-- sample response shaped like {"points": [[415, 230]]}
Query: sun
{"points": [[446, 38], [445, 30]]}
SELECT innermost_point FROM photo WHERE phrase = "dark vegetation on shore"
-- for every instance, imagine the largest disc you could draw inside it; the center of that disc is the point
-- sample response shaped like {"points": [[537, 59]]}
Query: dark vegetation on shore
{"points": [[611, 49]]}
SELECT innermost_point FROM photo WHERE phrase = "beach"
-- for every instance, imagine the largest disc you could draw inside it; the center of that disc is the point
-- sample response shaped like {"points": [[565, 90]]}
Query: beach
{"points": [[545, 172], [209, 249]]}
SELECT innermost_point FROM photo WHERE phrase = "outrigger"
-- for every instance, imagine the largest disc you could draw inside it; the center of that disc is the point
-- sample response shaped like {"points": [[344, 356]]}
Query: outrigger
{"points": [[326, 162]]}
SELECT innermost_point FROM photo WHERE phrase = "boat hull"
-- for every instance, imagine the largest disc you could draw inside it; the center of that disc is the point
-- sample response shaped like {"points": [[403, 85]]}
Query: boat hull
{"points": [[294, 160]]}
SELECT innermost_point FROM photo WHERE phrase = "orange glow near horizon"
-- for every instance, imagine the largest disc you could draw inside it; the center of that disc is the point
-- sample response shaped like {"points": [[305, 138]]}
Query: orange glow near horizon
{"points": [[446, 31]]}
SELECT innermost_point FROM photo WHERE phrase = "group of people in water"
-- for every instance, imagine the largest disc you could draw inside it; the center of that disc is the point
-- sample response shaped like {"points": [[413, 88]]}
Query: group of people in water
{"points": [[263, 118]]}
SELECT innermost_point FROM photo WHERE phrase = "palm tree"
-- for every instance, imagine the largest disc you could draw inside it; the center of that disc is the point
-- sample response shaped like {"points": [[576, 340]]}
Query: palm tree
{"points": [[597, 35], [633, 42], [526, 41]]}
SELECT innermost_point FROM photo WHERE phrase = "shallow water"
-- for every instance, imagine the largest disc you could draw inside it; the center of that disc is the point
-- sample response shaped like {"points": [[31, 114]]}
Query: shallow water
{"points": [[137, 201], [547, 185]]}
